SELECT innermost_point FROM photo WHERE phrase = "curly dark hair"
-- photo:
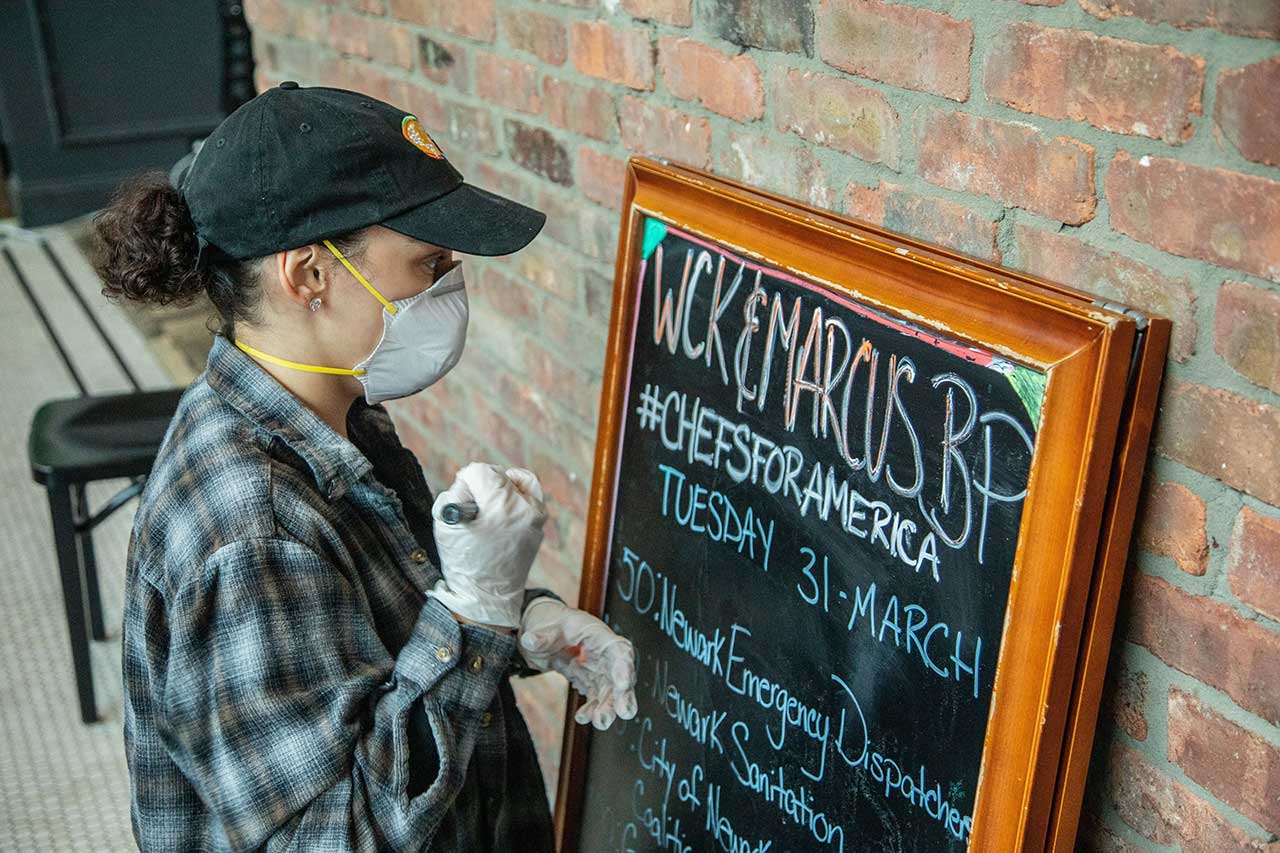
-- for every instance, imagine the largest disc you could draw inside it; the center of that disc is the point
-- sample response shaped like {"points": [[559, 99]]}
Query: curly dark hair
{"points": [[144, 249]]}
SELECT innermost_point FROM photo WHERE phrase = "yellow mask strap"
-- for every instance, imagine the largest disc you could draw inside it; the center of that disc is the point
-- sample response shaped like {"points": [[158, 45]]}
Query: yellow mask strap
{"points": [[356, 273], [310, 368]]}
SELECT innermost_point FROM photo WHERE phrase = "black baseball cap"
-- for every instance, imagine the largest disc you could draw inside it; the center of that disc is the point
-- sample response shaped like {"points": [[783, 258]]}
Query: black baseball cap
{"points": [[297, 164]]}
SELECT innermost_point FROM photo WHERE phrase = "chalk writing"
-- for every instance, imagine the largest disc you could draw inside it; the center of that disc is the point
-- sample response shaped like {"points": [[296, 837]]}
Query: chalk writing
{"points": [[816, 512]]}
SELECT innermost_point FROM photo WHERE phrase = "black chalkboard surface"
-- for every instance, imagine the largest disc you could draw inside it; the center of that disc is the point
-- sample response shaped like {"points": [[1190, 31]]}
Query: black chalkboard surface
{"points": [[863, 507], [815, 519]]}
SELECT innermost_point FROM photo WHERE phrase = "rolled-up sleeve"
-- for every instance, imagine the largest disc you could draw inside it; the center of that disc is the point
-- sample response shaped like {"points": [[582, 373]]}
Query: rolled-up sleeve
{"points": [[290, 716]]}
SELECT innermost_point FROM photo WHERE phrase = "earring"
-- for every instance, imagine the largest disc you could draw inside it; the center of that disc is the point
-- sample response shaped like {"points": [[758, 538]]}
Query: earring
{"points": [[315, 304]]}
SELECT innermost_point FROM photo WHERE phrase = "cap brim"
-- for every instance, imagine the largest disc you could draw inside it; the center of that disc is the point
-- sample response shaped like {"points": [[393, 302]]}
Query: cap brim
{"points": [[470, 220]]}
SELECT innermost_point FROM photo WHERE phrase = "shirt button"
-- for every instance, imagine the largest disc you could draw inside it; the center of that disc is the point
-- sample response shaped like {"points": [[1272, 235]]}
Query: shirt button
{"points": [[486, 719], [418, 555], [443, 653], [477, 663]]}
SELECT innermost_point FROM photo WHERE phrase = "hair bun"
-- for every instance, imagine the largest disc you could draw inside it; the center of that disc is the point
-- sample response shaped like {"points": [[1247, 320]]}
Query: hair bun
{"points": [[144, 244]]}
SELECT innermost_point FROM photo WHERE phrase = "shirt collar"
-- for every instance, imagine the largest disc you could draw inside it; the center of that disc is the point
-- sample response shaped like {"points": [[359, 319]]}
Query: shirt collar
{"points": [[335, 462]]}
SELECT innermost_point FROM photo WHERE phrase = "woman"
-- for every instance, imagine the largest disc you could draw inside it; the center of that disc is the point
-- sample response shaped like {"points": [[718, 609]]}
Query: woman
{"points": [[312, 658]]}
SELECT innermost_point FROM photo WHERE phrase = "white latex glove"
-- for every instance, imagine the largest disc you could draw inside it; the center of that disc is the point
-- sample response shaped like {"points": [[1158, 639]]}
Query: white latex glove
{"points": [[600, 664], [485, 562]]}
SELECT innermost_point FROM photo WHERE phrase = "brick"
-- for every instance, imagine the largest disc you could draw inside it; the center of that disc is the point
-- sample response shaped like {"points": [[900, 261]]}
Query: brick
{"points": [[1255, 18], [471, 129], [1215, 215], [542, 35], [783, 25], [447, 397], [305, 24], [789, 170], [1111, 276], [926, 217], [445, 63], [1253, 563], [507, 82], [653, 129], [621, 55], [507, 310], [1012, 162], [584, 227], [1248, 112], [1124, 699], [589, 110], [1222, 434], [473, 19], [1246, 332], [427, 451], [392, 44], [729, 85], [835, 112], [560, 572], [867, 38], [266, 15], [1166, 811], [601, 177], [578, 340], [598, 296], [1122, 86], [349, 34], [528, 406], [497, 431], [542, 704], [538, 151], [508, 299], [1206, 639], [420, 409], [678, 13], [264, 79], [294, 59], [568, 489], [865, 203], [1236, 765], [277, 17], [359, 76], [1093, 835], [1173, 525], [547, 267], [567, 385]]}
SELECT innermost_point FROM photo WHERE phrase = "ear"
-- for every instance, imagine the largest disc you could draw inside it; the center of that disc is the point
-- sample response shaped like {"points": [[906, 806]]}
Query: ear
{"points": [[299, 275]]}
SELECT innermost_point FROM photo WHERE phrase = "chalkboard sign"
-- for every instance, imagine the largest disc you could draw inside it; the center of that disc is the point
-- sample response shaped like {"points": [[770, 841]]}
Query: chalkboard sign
{"points": [[809, 509]]}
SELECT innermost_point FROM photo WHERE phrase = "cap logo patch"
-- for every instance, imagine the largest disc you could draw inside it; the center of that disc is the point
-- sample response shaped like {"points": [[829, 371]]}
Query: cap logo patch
{"points": [[422, 141]]}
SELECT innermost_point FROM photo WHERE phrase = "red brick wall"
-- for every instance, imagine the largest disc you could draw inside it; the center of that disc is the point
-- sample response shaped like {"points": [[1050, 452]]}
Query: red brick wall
{"points": [[1130, 148]]}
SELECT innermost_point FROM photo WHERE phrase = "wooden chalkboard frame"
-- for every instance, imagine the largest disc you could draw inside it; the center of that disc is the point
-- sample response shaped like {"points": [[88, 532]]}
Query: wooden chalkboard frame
{"points": [[1081, 493]]}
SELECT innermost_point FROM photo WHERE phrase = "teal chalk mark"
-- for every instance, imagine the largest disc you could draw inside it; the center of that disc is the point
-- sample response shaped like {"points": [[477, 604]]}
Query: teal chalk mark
{"points": [[1028, 384], [654, 231]]}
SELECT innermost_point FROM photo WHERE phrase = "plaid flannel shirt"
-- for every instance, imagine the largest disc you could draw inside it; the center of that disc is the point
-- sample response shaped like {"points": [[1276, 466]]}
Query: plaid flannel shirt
{"points": [[287, 683]]}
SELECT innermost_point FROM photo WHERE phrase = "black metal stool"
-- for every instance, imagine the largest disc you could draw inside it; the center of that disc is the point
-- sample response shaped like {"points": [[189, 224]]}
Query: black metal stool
{"points": [[74, 442]]}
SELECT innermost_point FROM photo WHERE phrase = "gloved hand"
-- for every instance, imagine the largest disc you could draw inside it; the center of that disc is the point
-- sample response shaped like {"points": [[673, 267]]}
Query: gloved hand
{"points": [[485, 561], [599, 664]]}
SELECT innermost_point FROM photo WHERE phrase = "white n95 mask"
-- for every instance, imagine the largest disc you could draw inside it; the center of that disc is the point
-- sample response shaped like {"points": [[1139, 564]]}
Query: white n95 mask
{"points": [[421, 341], [422, 338]]}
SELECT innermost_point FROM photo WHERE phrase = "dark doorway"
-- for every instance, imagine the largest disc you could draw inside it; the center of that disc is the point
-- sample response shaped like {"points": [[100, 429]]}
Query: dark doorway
{"points": [[91, 93]]}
